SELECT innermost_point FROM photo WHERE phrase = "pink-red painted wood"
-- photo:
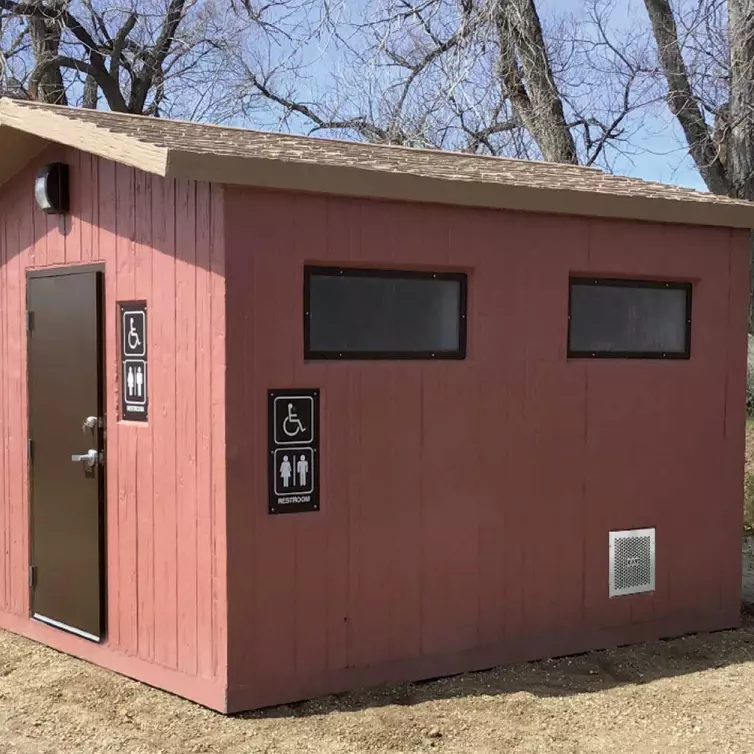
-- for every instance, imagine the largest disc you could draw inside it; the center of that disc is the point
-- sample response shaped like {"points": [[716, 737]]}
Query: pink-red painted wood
{"points": [[125, 461], [162, 418], [203, 422], [466, 505], [166, 479], [185, 424], [143, 288], [218, 490]]}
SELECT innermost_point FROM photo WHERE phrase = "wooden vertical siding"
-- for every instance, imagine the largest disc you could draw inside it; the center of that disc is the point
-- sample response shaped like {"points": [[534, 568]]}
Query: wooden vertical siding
{"points": [[465, 506], [163, 242]]}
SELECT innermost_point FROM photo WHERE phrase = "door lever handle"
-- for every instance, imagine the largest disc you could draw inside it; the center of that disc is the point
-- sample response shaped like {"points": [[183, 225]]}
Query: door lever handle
{"points": [[90, 459]]}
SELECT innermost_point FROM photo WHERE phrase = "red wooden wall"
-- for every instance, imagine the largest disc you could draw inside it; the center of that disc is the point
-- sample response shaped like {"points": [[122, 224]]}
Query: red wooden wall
{"points": [[161, 241], [466, 505]]}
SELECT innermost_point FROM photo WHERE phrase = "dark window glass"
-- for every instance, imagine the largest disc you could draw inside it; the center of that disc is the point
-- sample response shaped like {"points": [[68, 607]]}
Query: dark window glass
{"points": [[384, 314], [629, 318]]}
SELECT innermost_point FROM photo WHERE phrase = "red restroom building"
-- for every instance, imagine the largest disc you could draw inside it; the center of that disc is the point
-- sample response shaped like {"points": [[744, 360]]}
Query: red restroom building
{"points": [[283, 416]]}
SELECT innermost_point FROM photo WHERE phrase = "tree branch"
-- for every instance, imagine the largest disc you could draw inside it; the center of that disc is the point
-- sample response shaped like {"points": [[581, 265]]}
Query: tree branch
{"points": [[360, 124], [119, 44], [154, 58], [169, 28], [59, 61]]}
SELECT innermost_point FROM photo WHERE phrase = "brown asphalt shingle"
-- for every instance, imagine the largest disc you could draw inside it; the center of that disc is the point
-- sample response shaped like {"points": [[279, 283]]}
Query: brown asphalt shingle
{"points": [[226, 142]]}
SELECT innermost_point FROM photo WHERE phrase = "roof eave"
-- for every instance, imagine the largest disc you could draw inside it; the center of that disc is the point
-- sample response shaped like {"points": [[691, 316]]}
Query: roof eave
{"points": [[58, 128], [19, 149], [363, 182]]}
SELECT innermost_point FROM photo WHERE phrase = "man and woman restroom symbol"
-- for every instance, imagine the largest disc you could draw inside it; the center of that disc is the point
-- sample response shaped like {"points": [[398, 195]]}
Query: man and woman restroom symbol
{"points": [[135, 382], [302, 471]]}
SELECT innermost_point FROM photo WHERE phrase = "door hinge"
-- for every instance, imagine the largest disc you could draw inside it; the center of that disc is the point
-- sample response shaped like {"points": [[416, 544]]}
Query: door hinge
{"points": [[32, 576], [30, 450], [29, 321]]}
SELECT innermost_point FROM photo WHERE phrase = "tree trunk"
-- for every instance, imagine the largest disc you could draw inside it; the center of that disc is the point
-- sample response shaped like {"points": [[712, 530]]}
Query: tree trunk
{"points": [[91, 93], [724, 156], [45, 42], [526, 72], [741, 121], [681, 99]]}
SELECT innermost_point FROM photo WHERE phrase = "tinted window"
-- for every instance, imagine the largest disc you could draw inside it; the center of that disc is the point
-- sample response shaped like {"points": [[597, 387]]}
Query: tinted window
{"points": [[629, 318], [384, 314]]}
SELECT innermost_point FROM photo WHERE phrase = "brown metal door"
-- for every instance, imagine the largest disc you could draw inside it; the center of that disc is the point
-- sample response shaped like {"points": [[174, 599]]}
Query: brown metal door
{"points": [[65, 421]]}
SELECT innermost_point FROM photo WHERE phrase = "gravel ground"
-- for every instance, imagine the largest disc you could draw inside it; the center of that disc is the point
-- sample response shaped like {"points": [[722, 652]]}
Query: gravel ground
{"points": [[694, 694]]}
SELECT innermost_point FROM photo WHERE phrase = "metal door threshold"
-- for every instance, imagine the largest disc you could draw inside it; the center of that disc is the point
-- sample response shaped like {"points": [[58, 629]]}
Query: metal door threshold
{"points": [[64, 627]]}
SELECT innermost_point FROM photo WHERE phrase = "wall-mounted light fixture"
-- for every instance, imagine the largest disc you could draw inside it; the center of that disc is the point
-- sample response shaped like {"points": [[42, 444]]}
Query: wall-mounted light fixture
{"points": [[51, 188]]}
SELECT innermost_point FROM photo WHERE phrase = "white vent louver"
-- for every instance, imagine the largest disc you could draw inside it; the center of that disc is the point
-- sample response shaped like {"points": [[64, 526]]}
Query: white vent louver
{"points": [[632, 561]]}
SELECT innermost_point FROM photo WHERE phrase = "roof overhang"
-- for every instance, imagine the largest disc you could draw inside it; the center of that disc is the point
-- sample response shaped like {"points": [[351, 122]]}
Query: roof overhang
{"points": [[26, 130], [17, 149], [378, 184]]}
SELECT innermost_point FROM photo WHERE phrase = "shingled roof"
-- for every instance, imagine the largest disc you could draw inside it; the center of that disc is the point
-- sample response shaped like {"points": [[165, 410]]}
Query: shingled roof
{"points": [[220, 154]]}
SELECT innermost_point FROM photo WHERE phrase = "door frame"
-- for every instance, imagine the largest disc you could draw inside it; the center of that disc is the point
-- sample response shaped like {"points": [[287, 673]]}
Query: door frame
{"points": [[60, 271]]}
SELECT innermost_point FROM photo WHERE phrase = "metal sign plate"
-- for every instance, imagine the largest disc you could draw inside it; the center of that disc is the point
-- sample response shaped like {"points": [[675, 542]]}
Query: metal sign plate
{"points": [[134, 388], [293, 450]]}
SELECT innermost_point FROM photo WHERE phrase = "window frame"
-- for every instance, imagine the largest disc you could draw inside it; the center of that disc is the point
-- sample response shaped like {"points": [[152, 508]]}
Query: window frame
{"points": [[688, 287], [458, 354]]}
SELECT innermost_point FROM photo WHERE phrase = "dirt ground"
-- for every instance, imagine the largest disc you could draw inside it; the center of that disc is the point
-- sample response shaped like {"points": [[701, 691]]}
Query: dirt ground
{"points": [[694, 694]]}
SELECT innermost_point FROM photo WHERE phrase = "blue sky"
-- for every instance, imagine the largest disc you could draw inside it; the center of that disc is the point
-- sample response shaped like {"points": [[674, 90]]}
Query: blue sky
{"points": [[656, 152], [662, 154], [664, 158]]}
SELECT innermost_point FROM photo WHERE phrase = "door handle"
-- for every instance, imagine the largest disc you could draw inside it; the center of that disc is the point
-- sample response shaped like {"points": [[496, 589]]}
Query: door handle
{"points": [[91, 422], [90, 459]]}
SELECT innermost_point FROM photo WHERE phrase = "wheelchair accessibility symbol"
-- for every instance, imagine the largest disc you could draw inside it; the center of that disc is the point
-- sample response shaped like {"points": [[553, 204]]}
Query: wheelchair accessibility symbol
{"points": [[134, 340], [292, 425], [294, 419]]}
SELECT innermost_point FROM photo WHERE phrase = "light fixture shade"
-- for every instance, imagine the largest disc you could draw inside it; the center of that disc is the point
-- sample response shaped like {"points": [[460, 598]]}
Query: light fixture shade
{"points": [[51, 188]]}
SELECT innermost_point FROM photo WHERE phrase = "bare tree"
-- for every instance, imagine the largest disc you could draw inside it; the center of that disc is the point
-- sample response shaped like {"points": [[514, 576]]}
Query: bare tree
{"points": [[137, 56], [487, 76], [478, 75], [706, 53]]}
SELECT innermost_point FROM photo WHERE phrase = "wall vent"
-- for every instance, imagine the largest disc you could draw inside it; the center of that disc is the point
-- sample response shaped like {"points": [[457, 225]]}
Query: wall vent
{"points": [[632, 561]]}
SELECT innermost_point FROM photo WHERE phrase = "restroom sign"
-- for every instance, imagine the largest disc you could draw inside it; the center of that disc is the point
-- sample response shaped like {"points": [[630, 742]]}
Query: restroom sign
{"points": [[293, 450], [134, 386]]}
